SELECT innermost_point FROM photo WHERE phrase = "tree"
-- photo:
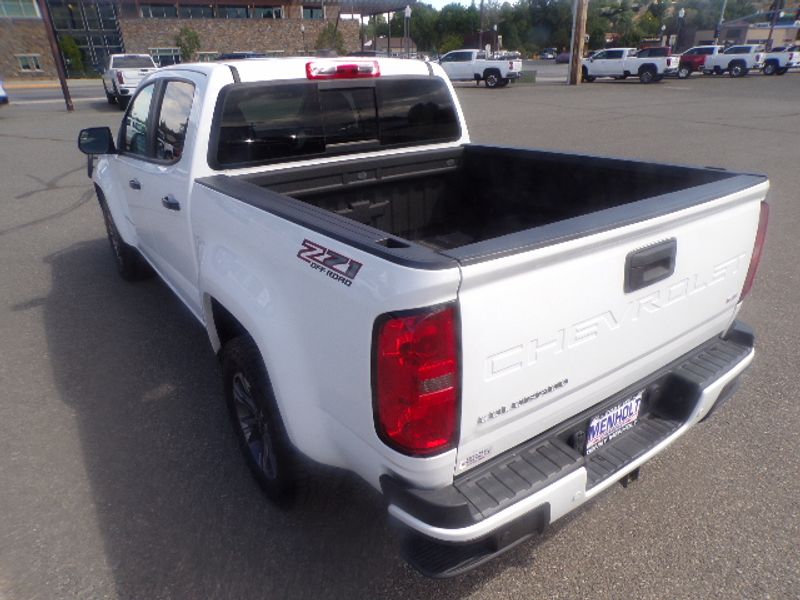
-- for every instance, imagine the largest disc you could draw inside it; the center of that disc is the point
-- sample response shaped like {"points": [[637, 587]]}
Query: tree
{"points": [[450, 42], [331, 38], [188, 41], [72, 55]]}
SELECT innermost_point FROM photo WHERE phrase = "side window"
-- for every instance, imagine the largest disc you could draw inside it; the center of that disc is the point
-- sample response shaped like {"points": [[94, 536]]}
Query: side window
{"points": [[134, 127], [448, 58], [173, 119], [600, 56], [462, 56], [614, 54]]}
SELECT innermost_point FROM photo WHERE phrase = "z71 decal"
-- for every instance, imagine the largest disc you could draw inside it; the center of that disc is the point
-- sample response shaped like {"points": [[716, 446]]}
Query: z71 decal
{"points": [[334, 265]]}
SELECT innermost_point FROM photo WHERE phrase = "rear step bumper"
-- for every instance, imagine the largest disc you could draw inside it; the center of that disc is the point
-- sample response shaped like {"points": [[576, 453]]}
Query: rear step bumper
{"points": [[519, 493]]}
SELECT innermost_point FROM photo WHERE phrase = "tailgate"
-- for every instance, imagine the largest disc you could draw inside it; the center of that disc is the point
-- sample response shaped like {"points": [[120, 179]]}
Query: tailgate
{"points": [[134, 76], [550, 332]]}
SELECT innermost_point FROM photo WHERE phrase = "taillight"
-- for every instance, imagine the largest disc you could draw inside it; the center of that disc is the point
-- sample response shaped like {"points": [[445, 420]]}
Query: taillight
{"points": [[342, 70], [758, 247], [416, 380], [119, 77]]}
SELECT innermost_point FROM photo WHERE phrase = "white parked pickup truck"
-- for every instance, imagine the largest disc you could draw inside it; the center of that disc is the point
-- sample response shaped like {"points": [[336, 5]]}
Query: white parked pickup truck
{"points": [[779, 60], [621, 63], [475, 65], [488, 336], [123, 73], [738, 61]]}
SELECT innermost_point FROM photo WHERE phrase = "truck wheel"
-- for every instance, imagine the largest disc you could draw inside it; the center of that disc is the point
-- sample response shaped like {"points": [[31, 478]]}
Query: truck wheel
{"points": [[737, 69], [491, 79], [503, 82], [251, 403], [684, 72], [123, 101], [782, 71], [647, 75], [771, 67], [658, 78], [130, 265], [585, 76], [110, 97]]}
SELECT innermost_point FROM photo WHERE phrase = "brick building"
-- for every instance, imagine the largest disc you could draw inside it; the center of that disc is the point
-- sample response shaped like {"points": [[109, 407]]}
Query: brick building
{"points": [[102, 27]]}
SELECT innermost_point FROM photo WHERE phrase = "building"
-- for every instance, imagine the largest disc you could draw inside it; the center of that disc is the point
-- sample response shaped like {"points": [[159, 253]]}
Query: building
{"points": [[755, 29], [99, 28]]}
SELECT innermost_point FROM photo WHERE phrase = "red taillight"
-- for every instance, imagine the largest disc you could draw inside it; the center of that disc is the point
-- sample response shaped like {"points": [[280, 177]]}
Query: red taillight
{"points": [[416, 385], [119, 77], [342, 70], [758, 247]]}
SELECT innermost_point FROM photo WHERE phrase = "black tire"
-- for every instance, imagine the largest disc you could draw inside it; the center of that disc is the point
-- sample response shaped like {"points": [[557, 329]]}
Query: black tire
{"points": [[491, 79], [123, 101], [737, 69], [273, 461], [130, 264], [782, 71], [585, 76], [684, 72], [770, 67], [658, 78], [110, 97], [503, 82], [718, 71], [647, 75]]}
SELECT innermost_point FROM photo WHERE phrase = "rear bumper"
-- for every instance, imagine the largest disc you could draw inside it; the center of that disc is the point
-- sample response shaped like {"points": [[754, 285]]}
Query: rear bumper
{"points": [[513, 75], [518, 494]]}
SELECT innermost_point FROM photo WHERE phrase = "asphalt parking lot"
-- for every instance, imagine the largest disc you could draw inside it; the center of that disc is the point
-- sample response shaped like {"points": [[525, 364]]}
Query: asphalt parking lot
{"points": [[120, 476]]}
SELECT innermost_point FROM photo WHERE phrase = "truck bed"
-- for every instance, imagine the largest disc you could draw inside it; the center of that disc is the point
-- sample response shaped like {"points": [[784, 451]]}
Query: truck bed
{"points": [[460, 202]]}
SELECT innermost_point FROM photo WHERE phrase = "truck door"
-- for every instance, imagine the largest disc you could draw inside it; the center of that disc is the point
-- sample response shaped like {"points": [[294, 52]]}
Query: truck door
{"points": [[168, 179], [612, 64], [458, 65]]}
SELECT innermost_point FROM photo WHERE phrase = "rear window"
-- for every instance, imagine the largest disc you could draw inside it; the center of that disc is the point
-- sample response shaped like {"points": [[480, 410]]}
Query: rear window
{"points": [[271, 122], [133, 62]]}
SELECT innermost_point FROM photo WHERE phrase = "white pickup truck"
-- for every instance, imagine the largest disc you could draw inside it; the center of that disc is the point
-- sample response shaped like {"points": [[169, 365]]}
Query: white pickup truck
{"points": [[489, 336], [738, 61], [779, 60], [123, 73], [475, 65], [621, 63]]}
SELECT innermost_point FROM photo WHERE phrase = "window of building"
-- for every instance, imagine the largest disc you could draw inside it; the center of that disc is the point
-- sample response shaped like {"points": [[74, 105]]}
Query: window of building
{"points": [[207, 56], [312, 12], [158, 11], [29, 62], [25, 9], [173, 120], [232, 12], [165, 56], [196, 12], [268, 12]]}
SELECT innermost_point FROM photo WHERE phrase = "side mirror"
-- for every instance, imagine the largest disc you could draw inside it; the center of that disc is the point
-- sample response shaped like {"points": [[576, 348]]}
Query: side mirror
{"points": [[96, 140], [93, 141]]}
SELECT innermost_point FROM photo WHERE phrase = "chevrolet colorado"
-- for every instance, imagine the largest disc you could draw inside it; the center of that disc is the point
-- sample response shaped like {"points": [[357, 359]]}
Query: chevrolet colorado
{"points": [[489, 336]]}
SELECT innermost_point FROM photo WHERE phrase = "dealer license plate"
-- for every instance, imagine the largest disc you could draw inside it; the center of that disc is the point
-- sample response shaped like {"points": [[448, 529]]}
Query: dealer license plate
{"points": [[610, 423]]}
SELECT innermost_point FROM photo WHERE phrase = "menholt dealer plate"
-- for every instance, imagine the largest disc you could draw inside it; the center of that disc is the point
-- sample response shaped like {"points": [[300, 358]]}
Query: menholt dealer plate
{"points": [[605, 427]]}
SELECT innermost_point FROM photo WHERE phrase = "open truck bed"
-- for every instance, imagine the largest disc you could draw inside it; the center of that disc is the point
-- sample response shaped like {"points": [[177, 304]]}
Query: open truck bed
{"points": [[475, 201]]}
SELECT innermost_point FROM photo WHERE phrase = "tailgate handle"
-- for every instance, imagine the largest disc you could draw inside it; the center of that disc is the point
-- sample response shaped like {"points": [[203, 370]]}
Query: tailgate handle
{"points": [[649, 265]]}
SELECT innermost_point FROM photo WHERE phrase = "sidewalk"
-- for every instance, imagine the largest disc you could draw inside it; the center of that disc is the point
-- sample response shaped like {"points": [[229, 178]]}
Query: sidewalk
{"points": [[17, 84]]}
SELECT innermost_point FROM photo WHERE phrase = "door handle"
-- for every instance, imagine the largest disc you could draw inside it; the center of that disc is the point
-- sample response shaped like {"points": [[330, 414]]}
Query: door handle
{"points": [[134, 183], [170, 203]]}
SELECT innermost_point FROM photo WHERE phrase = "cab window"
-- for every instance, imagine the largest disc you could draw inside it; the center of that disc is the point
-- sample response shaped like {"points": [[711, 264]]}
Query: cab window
{"points": [[173, 120], [135, 126], [613, 54]]}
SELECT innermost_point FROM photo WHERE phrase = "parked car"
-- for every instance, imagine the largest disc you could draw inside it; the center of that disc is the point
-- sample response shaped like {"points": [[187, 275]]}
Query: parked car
{"points": [[123, 74], [475, 65], [563, 58], [779, 60], [693, 60], [489, 336], [3, 95], [548, 54], [621, 63], [737, 61]]}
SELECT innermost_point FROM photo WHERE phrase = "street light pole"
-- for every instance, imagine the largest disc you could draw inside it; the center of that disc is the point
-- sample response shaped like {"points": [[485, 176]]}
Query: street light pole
{"points": [[303, 33], [579, 12], [681, 14], [407, 30], [718, 30], [494, 27]]}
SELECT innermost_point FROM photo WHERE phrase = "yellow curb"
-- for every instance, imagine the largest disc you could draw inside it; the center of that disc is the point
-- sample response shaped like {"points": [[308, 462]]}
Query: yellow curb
{"points": [[29, 85]]}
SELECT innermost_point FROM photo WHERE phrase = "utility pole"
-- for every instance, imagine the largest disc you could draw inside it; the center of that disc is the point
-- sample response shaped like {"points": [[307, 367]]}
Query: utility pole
{"points": [[579, 12], [51, 37], [718, 30], [777, 7]]}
